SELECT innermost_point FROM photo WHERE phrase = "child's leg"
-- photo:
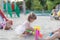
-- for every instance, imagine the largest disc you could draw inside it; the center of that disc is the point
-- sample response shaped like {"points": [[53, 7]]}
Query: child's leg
{"points": [[28, 30], [56, 30], [54, 36]]}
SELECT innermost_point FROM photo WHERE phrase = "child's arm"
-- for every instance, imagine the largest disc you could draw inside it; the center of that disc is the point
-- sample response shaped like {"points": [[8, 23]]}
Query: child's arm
{"points": [[54, 36], [56, 30], [28, 27], [1, 12]]}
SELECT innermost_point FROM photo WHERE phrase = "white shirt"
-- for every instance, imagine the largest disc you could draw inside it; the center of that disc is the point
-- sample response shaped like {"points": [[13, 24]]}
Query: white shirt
{"points": [[21, 28]]}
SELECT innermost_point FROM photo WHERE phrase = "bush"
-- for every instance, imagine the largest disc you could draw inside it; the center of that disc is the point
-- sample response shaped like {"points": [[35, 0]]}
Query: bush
{"points": [[36, 5]]}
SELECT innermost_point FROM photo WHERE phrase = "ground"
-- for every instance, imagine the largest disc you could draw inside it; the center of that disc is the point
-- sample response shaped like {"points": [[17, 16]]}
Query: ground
{"points": [[47, 25]]}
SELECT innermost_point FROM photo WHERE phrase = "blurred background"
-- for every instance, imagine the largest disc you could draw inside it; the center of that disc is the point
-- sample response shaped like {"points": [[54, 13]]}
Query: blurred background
{"points": [[32, 5]]}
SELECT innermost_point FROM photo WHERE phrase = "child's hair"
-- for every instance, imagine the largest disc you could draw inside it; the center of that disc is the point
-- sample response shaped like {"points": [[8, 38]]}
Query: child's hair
{"points": [[32, 16]]}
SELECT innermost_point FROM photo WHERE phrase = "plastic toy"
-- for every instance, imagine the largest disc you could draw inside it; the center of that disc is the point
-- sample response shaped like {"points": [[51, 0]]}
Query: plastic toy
{"points": [[51, 34], [37, 32], [4, 18]]}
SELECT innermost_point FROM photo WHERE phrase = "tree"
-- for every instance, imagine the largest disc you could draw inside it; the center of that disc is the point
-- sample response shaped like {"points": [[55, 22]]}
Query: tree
{"points": [[28, 4], [36, 5], [51, 0], [50, 4], [41, 4], [19, 3], [57, 1]]}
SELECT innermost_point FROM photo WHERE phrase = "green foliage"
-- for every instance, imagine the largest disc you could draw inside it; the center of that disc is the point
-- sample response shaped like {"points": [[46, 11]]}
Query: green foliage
{"points": [[28, 4], [50, 5], [41, 4], [36, 5], [57, 1], [19, 3]]}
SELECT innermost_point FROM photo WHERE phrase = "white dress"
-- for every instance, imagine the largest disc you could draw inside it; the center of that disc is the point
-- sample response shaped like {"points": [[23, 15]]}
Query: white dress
{"points": [[21, 28], [1, 19]]}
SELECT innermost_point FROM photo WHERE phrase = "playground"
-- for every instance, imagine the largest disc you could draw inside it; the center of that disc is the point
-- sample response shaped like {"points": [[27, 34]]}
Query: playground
{"points": [[46, 24], [19, 14]]}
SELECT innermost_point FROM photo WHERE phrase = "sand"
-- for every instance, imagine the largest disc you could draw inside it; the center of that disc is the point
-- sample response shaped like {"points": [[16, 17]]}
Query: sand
{"points": [[47, 25]]}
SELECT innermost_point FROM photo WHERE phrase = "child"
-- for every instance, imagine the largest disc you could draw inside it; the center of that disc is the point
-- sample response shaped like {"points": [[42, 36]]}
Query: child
{"points": [[4, 22], [55, 34], [58, 14], [26, 25], [54, 12]]}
